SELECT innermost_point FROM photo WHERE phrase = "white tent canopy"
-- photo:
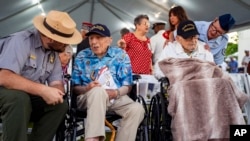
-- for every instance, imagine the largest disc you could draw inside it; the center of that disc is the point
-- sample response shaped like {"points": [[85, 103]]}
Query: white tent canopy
{"points": [[17, 15]]}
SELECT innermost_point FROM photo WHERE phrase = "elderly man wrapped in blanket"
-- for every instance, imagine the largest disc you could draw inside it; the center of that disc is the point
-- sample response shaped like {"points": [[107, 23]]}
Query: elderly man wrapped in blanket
{"points": [[203, 100]]}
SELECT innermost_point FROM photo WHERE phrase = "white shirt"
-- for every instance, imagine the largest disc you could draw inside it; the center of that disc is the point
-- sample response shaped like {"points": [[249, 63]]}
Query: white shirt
{"points": [[175, 50], [157, 44], [246, 60]]}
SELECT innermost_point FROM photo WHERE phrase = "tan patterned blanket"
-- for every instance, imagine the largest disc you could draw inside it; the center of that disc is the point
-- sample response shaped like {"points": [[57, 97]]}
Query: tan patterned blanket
{"points": [[203, 100]]}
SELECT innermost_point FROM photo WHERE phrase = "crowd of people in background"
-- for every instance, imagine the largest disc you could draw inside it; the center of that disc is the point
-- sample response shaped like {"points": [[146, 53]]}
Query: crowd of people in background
{"points": [[212, 33]]}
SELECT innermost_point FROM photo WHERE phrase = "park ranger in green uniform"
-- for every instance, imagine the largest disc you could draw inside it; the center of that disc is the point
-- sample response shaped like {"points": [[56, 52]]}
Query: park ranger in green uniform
{"points": [[31, 86]]}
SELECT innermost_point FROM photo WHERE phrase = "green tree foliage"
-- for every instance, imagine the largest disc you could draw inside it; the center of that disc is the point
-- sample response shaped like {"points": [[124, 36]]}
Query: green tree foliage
{"points": [[232, 46], [231, 49]]}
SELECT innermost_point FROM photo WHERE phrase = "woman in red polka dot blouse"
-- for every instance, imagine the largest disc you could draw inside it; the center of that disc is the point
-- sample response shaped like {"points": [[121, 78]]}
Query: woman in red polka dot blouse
{"points": [[137, 44]]}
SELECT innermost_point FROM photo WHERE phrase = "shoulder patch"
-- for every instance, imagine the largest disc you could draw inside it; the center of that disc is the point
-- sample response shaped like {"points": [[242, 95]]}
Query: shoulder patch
{"points": [[223, 51]]}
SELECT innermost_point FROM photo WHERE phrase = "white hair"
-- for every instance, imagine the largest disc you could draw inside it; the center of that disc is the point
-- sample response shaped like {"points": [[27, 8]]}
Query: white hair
{"points": [[69, 49]]}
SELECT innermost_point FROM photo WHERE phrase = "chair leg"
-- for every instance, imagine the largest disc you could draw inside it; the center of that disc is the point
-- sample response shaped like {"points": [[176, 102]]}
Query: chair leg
{"points": [[112, 128]]}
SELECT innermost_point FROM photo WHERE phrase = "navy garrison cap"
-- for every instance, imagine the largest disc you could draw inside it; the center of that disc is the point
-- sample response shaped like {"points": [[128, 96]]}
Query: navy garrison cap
{"points": [[226, 21]]}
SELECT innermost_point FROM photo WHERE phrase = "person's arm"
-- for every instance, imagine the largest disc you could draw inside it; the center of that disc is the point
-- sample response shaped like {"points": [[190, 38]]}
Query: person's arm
{"points": [[123, 77], [121, 43], [11, 80], [157, 71], [152, 46], [81, 85], [117, 93], [171, 36], [113, 93], [220, 56], [57, 84], [78, 89]]}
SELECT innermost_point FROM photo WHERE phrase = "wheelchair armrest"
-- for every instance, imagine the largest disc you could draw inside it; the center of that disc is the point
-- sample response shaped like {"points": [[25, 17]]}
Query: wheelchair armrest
{"points": [[136, 77]]}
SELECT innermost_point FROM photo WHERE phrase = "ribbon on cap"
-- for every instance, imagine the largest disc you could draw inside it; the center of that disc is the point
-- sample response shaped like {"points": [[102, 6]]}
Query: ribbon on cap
{"points": [[53, 31]]}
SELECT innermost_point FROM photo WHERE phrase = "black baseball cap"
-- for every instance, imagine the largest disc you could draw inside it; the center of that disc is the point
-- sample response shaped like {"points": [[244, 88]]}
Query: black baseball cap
{"points": [[187, 29], [99, 29]]}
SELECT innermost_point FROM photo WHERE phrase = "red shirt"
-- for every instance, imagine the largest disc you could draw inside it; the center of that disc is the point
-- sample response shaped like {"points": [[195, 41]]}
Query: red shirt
{"points": [[139, 53]]}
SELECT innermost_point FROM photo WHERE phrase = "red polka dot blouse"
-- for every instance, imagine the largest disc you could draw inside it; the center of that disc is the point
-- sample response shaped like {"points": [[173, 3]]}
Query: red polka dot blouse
{"points": [[139, 53]]}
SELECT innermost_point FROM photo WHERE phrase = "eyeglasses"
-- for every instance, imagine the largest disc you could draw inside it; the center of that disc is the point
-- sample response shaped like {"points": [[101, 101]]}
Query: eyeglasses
{"points": [[219, 33], [146, 24]]}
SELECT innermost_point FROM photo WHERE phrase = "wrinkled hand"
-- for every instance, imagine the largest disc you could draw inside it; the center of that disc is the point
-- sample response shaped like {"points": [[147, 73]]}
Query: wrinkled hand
{"points": [[52, 95], [112, 93], [121, 43], [92, 85], [207, 47]]}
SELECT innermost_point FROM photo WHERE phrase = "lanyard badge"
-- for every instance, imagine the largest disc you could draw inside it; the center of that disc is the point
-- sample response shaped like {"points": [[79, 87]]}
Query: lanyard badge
{"points": [[52, 58]]}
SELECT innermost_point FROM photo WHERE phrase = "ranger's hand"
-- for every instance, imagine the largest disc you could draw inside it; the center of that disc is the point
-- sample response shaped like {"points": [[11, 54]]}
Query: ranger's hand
{"points": [[52, 95]]}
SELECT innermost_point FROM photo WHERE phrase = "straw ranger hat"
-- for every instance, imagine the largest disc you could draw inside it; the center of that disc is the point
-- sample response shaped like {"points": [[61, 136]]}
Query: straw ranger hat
{"points": [[58, 26]]}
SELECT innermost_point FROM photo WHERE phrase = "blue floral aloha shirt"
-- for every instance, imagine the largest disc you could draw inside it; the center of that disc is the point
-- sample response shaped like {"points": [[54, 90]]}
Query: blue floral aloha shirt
{"points": [[87, 66]]}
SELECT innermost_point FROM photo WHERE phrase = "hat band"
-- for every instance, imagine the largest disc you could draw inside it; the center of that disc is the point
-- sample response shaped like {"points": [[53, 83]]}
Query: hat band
{"points": [[53, 31]]}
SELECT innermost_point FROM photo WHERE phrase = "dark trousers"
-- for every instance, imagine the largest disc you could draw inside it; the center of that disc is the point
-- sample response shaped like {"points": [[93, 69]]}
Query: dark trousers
{"points": [[17, 108]]}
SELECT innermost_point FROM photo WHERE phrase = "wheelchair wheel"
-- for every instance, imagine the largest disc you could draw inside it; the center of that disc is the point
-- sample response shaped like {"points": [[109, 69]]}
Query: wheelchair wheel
{"points": [[166, 120], [65, 132], [69, 129], [143, 130], [60, 133], [154, 118], [159, 119]]}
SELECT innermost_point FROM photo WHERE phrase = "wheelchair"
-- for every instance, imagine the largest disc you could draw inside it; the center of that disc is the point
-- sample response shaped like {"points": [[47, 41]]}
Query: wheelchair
{"points": [[159, 118], [73, 125], [143, 130]]}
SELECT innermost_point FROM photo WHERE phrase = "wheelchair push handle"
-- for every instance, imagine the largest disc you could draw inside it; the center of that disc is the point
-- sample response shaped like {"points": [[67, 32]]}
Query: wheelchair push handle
{"points": [[164, 85], [136, 77], [164, 80], [67, 76]]}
